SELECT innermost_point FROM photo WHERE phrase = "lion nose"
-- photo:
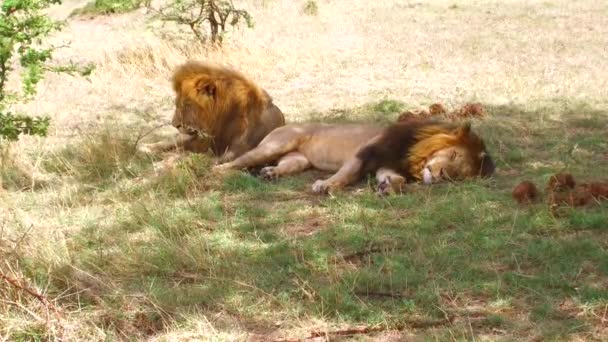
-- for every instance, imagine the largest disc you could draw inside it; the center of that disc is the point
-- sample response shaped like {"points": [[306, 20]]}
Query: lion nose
{"points": [[427, 176]]}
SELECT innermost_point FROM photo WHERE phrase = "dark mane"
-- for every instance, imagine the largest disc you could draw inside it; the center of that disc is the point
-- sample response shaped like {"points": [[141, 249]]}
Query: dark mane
{"points": [[393, 146]]}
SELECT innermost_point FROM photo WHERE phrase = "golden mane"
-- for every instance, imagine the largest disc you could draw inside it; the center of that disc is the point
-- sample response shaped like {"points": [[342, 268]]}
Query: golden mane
{"points": [[433, 138], [231, 92]]}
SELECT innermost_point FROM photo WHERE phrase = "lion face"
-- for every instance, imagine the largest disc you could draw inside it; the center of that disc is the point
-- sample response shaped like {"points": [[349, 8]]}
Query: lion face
{"points": [[452, 163], [463, 156], [193, 105]]}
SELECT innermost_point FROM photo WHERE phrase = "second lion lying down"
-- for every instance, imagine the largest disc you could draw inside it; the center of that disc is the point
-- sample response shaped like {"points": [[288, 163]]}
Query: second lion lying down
{"points": [[425, 151]]}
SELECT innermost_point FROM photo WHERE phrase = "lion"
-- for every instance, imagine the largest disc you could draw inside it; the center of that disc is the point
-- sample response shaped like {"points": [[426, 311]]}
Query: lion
{"points": [[426, 151], [219, 109]]}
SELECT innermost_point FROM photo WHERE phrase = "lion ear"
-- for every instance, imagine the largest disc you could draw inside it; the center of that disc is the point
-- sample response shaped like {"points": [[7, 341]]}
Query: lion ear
{"points": [[205, 87]]}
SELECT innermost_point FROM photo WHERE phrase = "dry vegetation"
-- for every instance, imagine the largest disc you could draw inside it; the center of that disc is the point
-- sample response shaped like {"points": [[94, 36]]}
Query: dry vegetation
{"points": [[188, 256]]}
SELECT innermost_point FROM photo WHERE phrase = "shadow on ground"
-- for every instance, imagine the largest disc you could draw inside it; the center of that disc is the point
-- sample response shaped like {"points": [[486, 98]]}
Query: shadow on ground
{"points": [[460, 257]]}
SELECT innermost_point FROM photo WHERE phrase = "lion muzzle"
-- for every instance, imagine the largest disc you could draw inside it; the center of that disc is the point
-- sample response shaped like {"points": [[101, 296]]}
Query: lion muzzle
{"points": [[427, 176]]}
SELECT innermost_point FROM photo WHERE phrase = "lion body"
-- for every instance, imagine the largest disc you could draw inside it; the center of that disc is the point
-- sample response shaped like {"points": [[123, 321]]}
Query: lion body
{"points": [[326, 146], [219, 109], [396, 153]]}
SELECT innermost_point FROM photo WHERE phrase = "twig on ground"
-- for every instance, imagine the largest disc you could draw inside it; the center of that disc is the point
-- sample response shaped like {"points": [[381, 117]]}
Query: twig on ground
{"points": [[370, 250], [29, 291], [346, 332], [48, 305], [18, 242], [379, 294], [417, 324], [146, 133]]}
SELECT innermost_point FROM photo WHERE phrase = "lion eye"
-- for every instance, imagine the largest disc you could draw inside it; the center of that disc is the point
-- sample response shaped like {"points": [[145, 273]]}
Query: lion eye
{"points": [[453, 156]]}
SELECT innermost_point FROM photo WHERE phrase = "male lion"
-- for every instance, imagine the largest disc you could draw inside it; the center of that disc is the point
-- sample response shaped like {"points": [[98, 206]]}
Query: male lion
{"points": [[422, 150], [218, 108]]}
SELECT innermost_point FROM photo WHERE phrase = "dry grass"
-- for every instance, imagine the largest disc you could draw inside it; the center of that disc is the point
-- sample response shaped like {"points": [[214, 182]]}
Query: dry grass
{"points": [[539, 66]]}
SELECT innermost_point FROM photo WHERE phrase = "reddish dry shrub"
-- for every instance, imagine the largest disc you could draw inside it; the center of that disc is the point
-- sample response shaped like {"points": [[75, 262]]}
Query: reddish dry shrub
{"points": [[413, 115], [562, 190], [470, 110], [437, 109], [575, 198], [599, 190], [561, 181], [525, 192]]}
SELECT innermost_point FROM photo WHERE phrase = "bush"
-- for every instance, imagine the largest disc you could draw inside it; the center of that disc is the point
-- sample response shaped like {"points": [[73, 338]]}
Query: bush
{"points": [[311, 7], [207, 19], [23, 28], [109, 7]]}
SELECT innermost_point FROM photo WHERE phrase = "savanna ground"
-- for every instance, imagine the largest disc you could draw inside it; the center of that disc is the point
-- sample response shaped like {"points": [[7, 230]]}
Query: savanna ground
{"points": [[190, 256]]}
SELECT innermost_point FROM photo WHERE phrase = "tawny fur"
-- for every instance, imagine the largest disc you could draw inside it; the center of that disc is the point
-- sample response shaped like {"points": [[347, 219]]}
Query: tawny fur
{"points": [[355, 150], [220, 109]]}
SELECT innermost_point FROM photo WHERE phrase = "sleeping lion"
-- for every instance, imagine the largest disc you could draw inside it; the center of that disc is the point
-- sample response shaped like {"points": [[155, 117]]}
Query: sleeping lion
{"points": [[426, 151]]}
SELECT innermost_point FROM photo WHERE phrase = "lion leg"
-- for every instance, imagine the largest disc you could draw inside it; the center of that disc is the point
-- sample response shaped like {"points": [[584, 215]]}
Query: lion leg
{"points": [[348, 173], [389, 181], [176, 142], [289, 164], [235, 150], [278, 143], [260, 155]]}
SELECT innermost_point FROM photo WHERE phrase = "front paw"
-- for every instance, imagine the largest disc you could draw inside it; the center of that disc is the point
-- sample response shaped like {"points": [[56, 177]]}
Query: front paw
{"points": [[146, 148], [269, 173], [221, 168], [323, 187], [226, 157], [391, 185], [384, 188]]}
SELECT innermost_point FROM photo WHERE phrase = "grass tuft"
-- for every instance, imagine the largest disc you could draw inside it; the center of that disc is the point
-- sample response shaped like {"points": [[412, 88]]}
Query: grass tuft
{"points": [[105, 7], [311, 8]]}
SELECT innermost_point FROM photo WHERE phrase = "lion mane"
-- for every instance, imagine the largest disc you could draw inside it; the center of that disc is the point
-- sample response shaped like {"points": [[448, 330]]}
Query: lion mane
{"points": [[224, 107], [407, 146]]}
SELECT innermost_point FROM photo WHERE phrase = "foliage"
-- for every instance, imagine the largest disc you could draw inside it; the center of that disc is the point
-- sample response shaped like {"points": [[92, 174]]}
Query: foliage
{"points": [[207, 19], [12, 125], [109, 7], [23, 28], [311, 8]]}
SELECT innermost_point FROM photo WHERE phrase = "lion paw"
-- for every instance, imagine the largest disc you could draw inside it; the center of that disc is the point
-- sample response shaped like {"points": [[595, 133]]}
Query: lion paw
{"points": [[220, 168], [166, 164], [226, 157], [384, 188], [269, 173], [323, 187], [146, 148], [391, 185]]}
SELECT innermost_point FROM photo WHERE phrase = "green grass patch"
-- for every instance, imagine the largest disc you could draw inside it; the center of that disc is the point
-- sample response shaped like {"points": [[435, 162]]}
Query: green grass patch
{"points": [[105, 7], [100, 159], [263, 251]]}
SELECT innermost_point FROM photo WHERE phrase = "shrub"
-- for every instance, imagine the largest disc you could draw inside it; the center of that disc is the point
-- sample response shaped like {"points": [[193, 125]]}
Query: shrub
{"points": [[311, 7], [23, 28], [109, 7], [207, 19]]}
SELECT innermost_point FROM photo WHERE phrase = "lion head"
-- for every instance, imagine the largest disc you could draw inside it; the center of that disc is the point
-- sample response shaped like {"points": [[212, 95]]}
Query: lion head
{"points": [[223, 106], [449, 153], [205, 95]]}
